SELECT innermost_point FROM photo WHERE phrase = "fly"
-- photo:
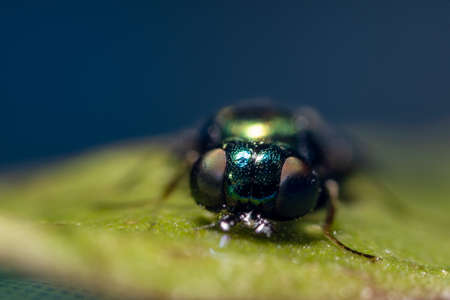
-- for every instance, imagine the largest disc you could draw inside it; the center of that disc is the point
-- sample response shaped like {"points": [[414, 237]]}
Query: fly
{"points": [[257, 164]]}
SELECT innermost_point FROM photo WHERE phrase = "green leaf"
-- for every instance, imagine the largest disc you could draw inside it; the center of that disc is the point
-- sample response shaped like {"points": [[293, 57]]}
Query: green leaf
{"points": [[76, 224]]}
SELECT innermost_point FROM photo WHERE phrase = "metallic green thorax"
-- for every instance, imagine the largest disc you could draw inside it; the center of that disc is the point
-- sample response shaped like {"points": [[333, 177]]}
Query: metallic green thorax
{"points": [[257, 126], [256, 142]]}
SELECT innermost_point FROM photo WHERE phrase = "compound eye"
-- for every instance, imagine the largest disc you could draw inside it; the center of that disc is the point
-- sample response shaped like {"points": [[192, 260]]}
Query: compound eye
{"points": [[207, 179], [299, 189]]}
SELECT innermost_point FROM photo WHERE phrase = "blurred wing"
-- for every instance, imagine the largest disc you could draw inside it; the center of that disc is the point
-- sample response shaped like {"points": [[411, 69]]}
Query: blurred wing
{"points": [[336, 154]]}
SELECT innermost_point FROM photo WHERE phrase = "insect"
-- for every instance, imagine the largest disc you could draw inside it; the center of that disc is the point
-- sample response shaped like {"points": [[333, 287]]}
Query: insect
{"points": [[257, 164]]}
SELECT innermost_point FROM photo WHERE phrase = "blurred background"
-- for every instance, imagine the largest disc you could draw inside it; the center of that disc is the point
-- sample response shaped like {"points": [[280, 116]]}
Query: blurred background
{"points": [[79, 74]]}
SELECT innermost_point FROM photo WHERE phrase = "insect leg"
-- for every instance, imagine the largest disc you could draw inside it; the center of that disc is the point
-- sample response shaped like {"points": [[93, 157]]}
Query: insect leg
{"points": [[189, 160], [256, 222], [332, 188], [207, 226], [264, 227], [167, 190], [225, 223], [228, 221], [183, 146]]}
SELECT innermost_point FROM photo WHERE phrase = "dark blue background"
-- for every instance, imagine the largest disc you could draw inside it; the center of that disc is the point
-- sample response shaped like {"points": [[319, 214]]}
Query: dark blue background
{"points": [[76, 74]]}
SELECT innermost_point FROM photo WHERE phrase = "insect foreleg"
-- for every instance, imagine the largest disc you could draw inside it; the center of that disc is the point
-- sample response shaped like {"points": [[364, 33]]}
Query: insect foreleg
{"points": [[332, 189]]}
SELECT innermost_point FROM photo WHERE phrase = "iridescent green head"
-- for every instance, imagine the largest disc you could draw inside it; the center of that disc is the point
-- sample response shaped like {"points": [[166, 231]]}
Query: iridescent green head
{"points": [[243, 176]]}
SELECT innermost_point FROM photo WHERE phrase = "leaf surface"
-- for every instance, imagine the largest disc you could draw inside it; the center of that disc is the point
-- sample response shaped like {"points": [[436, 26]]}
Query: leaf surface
{"points": [[74, 222]]}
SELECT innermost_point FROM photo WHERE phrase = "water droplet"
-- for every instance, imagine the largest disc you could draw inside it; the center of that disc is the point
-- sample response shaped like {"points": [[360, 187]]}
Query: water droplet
{"points": [[224, 240]]}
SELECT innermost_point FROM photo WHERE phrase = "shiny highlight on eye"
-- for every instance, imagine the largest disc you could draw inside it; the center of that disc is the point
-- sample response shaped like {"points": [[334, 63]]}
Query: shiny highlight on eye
{"points": [[242, 157]]}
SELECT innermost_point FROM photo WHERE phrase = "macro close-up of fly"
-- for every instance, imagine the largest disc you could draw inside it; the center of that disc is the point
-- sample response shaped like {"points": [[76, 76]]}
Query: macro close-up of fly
{"points": [[225, 150], [257, 164]]}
